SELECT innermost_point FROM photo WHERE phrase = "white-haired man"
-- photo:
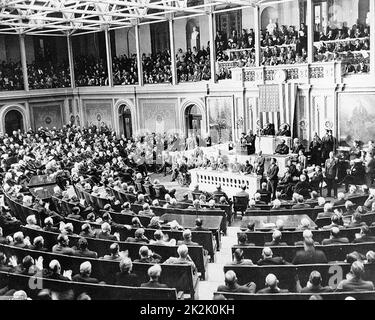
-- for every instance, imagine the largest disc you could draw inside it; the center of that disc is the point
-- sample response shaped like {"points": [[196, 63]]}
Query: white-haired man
{"points": [[272, 285], [154, 274], [84, 275], [231, 284], [183, 257]]}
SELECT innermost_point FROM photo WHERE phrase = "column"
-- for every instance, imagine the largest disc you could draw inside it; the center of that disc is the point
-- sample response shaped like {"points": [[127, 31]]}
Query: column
{"points": [[71, 61], [257, 30], [172, 50], [212, 32], [372, 38], [310, 31], [109, 57], [139, 56], [24, 62]]}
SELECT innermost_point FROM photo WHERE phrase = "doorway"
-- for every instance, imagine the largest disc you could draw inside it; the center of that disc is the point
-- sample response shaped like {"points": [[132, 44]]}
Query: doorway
{"points": [[126, 125], [13, 121], [193, 118]]}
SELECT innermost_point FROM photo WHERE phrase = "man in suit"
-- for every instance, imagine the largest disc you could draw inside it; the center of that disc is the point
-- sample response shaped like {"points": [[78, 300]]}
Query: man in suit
{"points": [[83, 251], [309, 255], [329, 144], [219, 193], [314, 285], [273, 178], [259, 164], [269, 260], [307, 235], [231, 284], [276, 240], [340, 200], [303, 187], [365, 236], [272, 285], [154, 273], [369, 169], [331, 174], [355, 175], [282, 148], [284, 131], [199, 225], [85, 274], [265, 195], [316, 178], [250, 143], [300, 203], [162, 191], [335, 238], [139, 236], [355, 282], [187, 239], [243, 193]]}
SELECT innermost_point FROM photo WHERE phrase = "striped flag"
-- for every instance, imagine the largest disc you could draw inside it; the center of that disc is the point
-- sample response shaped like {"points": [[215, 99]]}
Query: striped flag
{"points": [[268, 112]]}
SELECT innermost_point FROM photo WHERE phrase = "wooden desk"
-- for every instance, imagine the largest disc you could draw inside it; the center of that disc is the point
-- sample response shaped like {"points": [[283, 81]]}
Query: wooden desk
{"points": [[211, 223]]}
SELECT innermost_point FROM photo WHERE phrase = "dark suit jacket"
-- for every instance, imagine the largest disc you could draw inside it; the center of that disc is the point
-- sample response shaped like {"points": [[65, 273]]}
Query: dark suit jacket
{"points": [[275, 244], [152, 284], [310, 257], [238, 289], [331, 168], [335, 241], [364, 239], [274, 261], [272, 173]]}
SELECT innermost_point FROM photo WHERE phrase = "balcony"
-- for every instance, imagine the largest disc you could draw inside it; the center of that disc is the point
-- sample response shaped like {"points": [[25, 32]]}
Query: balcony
{"points": [[326, 72]]}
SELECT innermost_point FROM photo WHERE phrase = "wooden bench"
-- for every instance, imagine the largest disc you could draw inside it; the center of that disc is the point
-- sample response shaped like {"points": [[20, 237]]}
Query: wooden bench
{"points": [[177, 276], [204, 238], [95, 291], [333, 252], [102, 247], [286, 274], [368, 295], [291, 237]]}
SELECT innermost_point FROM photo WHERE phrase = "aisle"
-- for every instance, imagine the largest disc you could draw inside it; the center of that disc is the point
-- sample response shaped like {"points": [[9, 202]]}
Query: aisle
{"points": [[215, 270]]}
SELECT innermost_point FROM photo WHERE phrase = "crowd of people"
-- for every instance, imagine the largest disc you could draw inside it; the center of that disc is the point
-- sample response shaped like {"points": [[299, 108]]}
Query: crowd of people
{"points": [[157, 67], [193, 65], [279, 45], [48, 75], [96, 161], [90, 71], [125, 71], [11, 76], [350, 46]]}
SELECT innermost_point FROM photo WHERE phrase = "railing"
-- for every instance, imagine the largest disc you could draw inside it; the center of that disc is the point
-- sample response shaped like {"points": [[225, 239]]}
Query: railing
{"points": [[332, 72]]}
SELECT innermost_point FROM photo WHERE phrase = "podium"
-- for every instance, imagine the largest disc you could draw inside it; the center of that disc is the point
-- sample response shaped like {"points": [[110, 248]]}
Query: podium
{"points": [[268, 144]]}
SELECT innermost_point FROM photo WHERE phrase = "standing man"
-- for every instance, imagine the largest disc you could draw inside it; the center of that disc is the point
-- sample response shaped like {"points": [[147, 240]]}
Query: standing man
{"points": [[250, 142], [329, 144], [259, 166], [331, 174], [370, 169], [273, 177]]}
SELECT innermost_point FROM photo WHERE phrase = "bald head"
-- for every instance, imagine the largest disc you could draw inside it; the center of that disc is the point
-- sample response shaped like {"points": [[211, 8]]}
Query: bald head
{"points": [[230, 278], [271, 280]]}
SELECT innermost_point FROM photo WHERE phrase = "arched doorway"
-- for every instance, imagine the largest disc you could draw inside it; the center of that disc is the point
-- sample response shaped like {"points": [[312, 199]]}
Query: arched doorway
{"points": [[126, 125], [268, 14], [193, 118], [13, 121]]}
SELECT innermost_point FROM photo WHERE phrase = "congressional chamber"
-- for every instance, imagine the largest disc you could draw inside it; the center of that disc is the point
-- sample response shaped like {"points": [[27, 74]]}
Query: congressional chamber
{"points": [[187, 150]]}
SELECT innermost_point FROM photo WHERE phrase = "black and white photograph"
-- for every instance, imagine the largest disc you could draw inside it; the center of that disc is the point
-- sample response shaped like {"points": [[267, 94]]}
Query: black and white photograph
{"points": [[187, 155]]}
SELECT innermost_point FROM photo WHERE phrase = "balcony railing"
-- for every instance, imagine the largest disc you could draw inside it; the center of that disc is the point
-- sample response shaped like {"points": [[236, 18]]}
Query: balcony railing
{"points": [[329, 72]]}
